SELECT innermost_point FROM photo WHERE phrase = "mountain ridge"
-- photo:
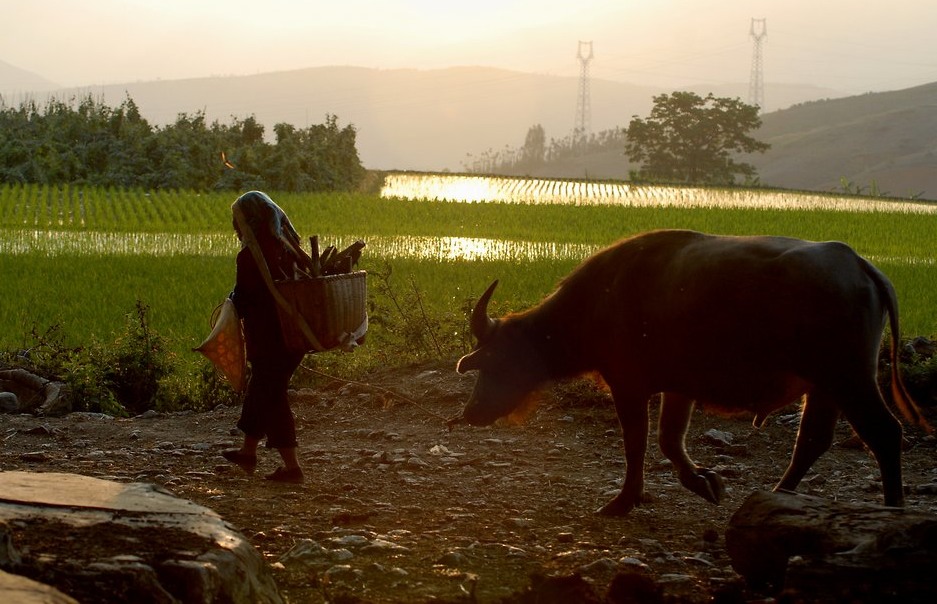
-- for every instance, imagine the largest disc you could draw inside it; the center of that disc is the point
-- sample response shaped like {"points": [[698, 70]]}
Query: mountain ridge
{"points": [[437, 119]]}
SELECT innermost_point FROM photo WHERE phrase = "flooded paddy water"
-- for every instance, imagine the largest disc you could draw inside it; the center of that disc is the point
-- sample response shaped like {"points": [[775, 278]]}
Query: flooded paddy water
{"points": [[469, 189]]}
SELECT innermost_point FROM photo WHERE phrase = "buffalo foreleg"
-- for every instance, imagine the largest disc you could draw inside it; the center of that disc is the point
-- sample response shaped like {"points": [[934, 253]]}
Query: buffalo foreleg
{"points": [[632, 415], [675, 411]]}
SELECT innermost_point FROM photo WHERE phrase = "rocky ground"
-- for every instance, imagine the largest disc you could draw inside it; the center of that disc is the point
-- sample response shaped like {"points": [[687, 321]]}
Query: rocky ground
{"points": [[397, 508]]}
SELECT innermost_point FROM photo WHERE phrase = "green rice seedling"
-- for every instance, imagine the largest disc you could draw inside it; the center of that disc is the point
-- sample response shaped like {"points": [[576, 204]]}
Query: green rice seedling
{"points": [[82, 256]]}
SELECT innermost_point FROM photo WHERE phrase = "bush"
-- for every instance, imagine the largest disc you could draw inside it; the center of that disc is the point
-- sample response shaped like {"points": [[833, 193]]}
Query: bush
{"points": [[918, 360], [133, 374], [139, 360], [137, 372]]}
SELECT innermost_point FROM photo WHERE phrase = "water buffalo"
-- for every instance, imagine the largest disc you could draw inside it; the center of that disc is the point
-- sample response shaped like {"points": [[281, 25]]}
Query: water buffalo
{"points": [[734, 323]]}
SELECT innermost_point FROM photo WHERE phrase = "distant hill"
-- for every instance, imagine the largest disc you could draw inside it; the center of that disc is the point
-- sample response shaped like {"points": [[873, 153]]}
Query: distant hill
{"points": [[16, 82], [885, 140], [436, 119], [884, 143], [407, 118]]}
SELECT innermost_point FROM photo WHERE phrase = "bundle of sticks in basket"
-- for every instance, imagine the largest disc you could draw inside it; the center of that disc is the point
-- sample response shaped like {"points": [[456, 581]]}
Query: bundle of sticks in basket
{"points": [[332, 261]]}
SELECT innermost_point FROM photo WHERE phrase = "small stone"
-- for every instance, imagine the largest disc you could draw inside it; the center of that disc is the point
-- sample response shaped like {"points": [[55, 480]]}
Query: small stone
{"points": [[601, 565], [719, 438], [341, 571], [350, 540], [699, 559], [452, 559], [519, 522], [380, 546], [9, 403], [416, 462], [675, 578], [651, 546], [34, 456], [42, 430], [304, 550]]}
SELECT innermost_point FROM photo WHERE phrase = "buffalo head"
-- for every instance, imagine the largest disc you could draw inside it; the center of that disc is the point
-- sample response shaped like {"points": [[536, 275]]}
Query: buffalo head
{"points": [[509, 368]]}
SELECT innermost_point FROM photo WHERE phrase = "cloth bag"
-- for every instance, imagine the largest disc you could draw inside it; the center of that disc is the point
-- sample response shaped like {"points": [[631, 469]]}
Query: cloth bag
{"points": [[224, 346]]}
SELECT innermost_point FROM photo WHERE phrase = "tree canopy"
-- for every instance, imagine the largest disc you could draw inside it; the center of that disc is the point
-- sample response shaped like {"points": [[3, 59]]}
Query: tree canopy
{"points": [[86, 142], [693, 139]]}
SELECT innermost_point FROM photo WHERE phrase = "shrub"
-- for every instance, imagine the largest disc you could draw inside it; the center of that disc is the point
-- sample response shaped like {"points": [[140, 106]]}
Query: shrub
{"points": [[139, 361]]}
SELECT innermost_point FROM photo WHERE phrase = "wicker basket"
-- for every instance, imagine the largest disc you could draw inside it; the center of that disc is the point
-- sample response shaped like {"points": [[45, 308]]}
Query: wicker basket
{"points": [[334, 307]]}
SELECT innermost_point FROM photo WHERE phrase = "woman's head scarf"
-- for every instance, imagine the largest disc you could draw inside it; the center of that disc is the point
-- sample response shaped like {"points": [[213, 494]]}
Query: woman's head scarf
{"points": [[273, 230]]}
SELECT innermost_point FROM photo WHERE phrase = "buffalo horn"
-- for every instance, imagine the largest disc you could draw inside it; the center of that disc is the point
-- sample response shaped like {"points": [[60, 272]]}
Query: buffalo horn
{"points": [[482, 324]]}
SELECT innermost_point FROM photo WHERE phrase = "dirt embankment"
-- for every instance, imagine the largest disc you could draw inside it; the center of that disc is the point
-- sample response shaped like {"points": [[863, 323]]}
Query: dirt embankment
{"points": [[396, 508]]}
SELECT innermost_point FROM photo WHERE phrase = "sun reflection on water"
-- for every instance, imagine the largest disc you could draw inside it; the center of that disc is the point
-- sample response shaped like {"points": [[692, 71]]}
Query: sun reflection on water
{"points": [[474, 189], [15, 242]]}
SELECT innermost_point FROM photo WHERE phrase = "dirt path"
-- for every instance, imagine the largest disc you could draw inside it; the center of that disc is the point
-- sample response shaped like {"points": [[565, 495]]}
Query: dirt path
{"points": [[396, 508]]}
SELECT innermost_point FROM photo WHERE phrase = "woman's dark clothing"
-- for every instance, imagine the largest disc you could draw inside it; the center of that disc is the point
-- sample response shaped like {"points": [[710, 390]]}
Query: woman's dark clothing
{"points": [[265, 411], [258, 309]]}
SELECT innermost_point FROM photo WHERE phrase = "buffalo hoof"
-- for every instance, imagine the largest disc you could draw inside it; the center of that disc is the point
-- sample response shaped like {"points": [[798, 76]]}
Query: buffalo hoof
{"points": [[622, 504], [707, 484], [615, 508]]}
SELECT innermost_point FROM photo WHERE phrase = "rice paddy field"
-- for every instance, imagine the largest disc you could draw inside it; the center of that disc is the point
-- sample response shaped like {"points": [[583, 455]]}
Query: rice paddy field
{"points": [[81, 257]]}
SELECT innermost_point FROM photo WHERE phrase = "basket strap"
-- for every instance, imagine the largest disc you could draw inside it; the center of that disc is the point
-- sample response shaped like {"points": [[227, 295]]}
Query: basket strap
{"points": [[258, 255]]}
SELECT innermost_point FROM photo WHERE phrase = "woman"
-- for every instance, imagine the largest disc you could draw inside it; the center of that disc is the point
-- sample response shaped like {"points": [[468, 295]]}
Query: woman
{"points": [[265, 412]]}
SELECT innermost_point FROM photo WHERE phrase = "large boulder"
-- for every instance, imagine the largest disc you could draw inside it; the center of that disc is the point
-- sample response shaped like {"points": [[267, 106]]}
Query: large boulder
{"points": [[101, 541], [24, 392], [834, 551], [14, 588]]}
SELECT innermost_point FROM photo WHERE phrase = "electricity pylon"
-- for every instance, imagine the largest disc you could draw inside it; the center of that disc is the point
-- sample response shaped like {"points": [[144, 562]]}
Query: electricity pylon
{"points": [[583, 103], [756, 82]]}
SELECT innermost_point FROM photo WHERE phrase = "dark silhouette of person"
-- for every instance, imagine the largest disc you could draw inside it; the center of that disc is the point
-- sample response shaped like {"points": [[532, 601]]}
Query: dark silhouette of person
{"points": [[265, 410]]}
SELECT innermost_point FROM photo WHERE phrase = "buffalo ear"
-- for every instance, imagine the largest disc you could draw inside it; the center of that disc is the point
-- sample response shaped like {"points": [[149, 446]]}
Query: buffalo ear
{"points": [[483, 325], [467, 363]]}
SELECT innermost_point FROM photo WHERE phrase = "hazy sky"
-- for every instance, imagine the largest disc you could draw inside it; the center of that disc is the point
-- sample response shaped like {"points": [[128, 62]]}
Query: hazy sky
{"points": [[848, 45]]}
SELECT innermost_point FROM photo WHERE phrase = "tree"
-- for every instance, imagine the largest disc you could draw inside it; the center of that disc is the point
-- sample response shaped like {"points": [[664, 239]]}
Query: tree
{"points": [[83, 141], [535, 145], [691, 139]]}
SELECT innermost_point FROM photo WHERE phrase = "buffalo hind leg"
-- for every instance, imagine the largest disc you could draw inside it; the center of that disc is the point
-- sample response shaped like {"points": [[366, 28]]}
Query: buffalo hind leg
{"points": [[814, 437], [632, 415], [675, 412], [882, 433]]}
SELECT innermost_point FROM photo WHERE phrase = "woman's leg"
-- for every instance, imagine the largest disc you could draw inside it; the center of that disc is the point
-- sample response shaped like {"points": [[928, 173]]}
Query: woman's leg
{"points": [[249, 446], [290, 460], [281, 424], [246, 456], [251, 421]]}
